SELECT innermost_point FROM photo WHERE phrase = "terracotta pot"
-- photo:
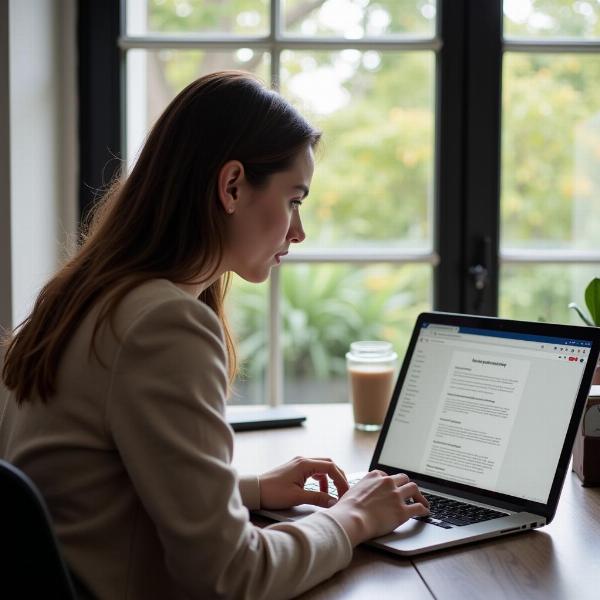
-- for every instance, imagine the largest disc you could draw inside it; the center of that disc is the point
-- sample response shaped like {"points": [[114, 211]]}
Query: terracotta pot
{"points": [[596, 377]]}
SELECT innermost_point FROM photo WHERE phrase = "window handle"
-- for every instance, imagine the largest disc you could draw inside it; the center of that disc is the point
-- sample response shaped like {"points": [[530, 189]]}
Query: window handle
{"points": [[480, 276], [479, 272]]}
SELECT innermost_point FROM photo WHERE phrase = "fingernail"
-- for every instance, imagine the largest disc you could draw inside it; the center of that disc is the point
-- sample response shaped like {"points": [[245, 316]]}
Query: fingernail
{"points": [[331, 502]]}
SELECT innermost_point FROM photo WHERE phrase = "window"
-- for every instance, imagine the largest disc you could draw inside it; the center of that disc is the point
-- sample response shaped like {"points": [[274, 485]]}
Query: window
{"points": [[550, 198], [459, 170], [364, 72]]}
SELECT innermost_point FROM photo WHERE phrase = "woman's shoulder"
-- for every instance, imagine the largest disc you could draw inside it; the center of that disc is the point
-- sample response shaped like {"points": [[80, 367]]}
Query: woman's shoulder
{"points": [[161, 300]]}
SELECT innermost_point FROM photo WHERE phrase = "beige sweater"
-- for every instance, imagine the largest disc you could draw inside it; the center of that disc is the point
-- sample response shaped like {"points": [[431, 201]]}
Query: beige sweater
{"points": [[134, 460]]}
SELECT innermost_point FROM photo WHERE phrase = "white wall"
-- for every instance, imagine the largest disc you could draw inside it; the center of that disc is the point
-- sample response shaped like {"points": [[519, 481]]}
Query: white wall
{"points": [[38, 149], [5, 238]]}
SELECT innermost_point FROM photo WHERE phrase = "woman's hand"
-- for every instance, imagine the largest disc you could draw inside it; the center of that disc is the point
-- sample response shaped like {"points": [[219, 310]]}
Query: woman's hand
{"points": [[283, 487], [377, 504]]}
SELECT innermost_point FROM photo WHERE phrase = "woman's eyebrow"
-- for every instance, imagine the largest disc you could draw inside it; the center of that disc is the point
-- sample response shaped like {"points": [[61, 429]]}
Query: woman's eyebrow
{"points": [[302, 188]]}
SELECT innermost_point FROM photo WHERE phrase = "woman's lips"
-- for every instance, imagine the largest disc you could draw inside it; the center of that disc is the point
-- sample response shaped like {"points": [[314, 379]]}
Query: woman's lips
{"points": [[278, 256]]}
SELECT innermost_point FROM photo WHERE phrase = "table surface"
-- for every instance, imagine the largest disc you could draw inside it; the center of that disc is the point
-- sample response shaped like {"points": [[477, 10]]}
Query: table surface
{"points": [[559, 561]]}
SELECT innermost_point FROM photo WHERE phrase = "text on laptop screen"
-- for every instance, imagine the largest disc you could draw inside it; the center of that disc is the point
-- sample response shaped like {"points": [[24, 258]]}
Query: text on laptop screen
{"points": [[486, 408]]}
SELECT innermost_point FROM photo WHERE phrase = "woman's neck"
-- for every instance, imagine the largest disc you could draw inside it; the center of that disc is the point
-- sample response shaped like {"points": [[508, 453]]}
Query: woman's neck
{"points": [[195, 288]]}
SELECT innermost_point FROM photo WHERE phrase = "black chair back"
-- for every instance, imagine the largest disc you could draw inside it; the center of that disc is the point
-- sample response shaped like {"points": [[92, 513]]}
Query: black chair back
{"points": [[31, 565]]}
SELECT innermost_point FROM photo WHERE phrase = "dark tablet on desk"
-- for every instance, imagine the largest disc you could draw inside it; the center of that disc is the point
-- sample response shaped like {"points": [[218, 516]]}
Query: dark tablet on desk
{"points": [[264, 418]]}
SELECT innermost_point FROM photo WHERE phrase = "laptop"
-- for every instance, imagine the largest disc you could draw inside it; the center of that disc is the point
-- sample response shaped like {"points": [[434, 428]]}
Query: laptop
{"points": [[483, 418]]}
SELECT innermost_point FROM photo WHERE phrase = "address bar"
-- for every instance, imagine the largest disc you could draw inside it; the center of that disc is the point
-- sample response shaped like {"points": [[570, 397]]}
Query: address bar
{"points": [[510, 349], [498, 342]]}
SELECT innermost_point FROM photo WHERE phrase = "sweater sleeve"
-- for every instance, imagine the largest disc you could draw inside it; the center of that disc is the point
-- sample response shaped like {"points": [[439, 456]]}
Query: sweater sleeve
{"points": [[250, 491], [165, 411]]}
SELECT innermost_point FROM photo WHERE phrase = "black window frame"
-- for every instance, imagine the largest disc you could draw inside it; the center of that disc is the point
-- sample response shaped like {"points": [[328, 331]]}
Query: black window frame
{"points": [[100, 81]]}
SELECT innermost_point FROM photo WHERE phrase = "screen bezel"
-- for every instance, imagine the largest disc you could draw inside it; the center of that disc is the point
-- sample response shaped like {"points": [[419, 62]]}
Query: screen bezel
{"points": [[587, 334]]}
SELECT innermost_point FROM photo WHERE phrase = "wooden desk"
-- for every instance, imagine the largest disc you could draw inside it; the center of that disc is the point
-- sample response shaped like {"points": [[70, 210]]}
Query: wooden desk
{"points": [[560, 561]]}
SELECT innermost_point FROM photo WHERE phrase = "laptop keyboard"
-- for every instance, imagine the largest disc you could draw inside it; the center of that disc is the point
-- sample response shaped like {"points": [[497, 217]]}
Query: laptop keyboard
{"points": [[445, 512]]}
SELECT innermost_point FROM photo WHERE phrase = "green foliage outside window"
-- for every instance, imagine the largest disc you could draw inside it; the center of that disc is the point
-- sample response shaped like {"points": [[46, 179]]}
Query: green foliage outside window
{"points": [[324, 308]]}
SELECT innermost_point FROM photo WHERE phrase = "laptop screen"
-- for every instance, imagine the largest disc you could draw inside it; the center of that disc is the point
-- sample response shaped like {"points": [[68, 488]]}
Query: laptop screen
{"points": [[486, 408]]}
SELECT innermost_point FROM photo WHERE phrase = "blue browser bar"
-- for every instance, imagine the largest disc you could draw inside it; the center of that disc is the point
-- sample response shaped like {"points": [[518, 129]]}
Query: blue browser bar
{"points": [[529, 337]]}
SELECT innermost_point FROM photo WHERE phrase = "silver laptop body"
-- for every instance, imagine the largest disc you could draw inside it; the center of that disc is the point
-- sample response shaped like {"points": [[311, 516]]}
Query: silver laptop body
{"points": [[484, 412]]}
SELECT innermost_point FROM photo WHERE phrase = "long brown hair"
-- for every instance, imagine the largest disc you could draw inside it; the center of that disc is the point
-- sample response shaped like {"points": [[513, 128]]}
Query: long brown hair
{"points": [[164, 220]]}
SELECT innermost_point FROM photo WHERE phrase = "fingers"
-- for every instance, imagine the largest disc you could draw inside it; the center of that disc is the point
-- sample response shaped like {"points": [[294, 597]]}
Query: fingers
{"points": [[400, 479], [331, 461], [323, 481], [416, 510], [407, 489], [317, 467], [317, 499], [411, 490]]}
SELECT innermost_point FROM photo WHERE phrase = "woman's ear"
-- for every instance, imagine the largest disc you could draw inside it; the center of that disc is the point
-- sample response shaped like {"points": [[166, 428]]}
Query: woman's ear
{"points": [[231, 177]]}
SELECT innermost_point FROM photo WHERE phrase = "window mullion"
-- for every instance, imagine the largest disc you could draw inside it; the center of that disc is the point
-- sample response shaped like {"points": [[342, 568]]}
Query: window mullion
{"points": [[483, 70], [555, 46], [275, 30], [275, 363], [449, 156], [275, 64]]}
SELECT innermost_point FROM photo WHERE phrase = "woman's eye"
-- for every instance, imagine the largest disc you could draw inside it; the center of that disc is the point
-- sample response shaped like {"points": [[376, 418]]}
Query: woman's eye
{"points": [[296, 203]]}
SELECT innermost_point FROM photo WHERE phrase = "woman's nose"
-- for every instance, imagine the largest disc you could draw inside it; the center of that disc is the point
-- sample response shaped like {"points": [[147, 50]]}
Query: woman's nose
{"points": [[296, 232]]}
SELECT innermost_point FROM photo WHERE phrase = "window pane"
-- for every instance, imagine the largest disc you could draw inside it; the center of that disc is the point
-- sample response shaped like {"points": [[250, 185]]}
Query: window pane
{"points": [[240, 17], [543, 292], [247, 311], [352, 19], [155, 77], [551, 151], [326, 307], [552, 18], [373, 183]]}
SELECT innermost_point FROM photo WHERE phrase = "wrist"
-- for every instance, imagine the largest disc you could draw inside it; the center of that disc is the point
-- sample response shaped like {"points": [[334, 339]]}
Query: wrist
{"points": [[351, 520]]}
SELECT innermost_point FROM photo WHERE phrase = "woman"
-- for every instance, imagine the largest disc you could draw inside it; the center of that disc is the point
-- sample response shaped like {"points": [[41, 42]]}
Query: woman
{"points": [[120, 374]]}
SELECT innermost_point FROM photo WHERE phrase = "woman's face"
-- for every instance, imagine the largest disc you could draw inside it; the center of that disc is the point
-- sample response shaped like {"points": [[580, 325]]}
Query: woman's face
{"points": [[263, 222]]}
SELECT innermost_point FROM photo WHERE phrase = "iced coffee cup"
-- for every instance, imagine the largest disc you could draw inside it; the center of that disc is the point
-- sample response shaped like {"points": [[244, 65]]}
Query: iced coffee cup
{"points": [[372, 370]]}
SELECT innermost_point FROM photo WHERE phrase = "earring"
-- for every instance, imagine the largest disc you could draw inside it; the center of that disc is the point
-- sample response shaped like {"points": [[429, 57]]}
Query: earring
{"points": [[230, 210]]}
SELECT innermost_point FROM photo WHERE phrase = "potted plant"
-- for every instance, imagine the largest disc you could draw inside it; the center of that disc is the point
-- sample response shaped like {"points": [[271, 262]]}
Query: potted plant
{"points": [[592, 301]]}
